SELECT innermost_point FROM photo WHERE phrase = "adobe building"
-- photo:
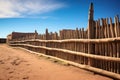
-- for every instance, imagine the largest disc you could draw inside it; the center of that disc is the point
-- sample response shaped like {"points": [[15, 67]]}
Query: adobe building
{"points": [[2, 40], [21, 35]]}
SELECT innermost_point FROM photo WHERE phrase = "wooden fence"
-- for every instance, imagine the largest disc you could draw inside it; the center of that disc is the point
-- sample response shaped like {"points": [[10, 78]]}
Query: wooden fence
{"points": [[99, 51]]}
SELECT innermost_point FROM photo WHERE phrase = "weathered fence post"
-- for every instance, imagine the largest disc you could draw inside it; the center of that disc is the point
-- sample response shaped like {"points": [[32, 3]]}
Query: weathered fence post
{"points": [[46, 38], [36, 35], [91, 33]]}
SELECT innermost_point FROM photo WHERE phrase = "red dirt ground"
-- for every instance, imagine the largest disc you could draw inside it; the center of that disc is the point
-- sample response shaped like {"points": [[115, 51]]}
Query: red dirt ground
{"points": [[17, 64]]}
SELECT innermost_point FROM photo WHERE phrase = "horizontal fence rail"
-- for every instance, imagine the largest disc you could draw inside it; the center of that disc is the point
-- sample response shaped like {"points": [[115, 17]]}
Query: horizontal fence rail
{"points": [[106, 56], [98, 57], [117, 39]]}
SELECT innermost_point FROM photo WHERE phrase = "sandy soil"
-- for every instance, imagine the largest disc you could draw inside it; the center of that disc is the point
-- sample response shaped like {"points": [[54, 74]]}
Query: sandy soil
{"points": [[17, 64]]}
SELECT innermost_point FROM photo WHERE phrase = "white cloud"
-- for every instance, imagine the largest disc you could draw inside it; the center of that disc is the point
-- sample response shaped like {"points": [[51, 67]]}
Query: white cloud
{"points": [[23, 8], [48, 17]]}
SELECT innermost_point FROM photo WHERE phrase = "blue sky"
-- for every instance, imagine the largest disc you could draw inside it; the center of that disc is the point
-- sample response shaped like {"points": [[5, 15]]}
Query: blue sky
{"points": [[30, 15]]}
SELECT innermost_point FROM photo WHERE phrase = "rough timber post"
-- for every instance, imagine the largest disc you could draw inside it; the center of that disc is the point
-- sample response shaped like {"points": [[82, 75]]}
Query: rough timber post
{"points": [[91, 33], [36, 34], [46, 35], [46, 38]]}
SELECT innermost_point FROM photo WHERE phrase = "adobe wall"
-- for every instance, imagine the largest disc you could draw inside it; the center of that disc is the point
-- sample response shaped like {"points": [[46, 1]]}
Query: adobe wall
{"points": [[2, 40]]}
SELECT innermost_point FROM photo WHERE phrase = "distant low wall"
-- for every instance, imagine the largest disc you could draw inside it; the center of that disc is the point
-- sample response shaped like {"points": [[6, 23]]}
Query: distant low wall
{"points": [[2, 40]]}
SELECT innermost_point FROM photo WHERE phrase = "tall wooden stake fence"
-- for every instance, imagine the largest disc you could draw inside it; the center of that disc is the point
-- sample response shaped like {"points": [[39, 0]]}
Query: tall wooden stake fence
{"points": [[97, 47]]}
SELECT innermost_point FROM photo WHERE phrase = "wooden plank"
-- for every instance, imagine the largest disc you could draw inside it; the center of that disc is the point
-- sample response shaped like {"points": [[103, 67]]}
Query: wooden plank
{"points": [[112, 28], [106, 54], [96, 30], [118, 25], [115, 27], [118, 56], [105, 25]]}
